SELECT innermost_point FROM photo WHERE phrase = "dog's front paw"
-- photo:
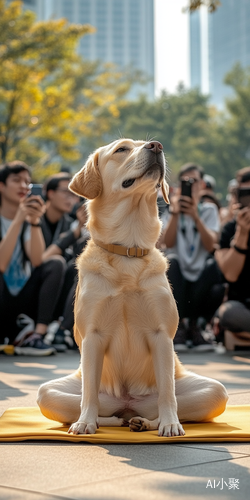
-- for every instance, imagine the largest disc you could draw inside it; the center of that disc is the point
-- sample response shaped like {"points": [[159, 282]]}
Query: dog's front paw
{"points": [[171, 430], [138, 424], [82, 428]]}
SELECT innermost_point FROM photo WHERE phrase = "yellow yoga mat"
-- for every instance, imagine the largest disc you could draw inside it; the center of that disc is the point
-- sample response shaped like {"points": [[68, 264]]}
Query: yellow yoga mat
{"points": [[22, 424]]}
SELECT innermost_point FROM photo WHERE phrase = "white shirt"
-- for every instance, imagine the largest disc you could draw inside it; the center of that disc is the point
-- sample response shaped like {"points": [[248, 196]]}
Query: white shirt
{"points": [[189, 249]]}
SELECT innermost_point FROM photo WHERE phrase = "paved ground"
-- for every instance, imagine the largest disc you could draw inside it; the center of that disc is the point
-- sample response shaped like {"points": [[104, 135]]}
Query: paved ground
{"points": [[58, 470]]}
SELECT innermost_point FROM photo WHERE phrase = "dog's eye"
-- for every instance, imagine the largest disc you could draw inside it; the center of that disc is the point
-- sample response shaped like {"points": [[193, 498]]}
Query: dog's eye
{"points": [[121, 150], [128, 183]]}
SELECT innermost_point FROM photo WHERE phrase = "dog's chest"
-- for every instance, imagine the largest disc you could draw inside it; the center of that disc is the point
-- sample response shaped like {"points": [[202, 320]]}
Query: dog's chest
{"points": [[128, 366]]}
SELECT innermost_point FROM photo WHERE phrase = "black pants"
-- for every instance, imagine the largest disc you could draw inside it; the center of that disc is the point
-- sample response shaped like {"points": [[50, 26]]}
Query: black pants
{"points": [[68, 311], [65, 303], [198, 298], [234, 316], [37, 299]]}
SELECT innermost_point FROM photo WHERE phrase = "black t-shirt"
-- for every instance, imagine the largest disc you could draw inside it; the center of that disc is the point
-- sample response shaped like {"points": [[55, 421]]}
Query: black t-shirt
{"points": [[53, 231], [239, 290], [52, 226]]}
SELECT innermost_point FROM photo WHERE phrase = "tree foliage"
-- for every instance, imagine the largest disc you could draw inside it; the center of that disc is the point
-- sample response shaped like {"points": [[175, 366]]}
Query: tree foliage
{"points": [[56, 107], [190, 129], [51, 100], [238, 106]]}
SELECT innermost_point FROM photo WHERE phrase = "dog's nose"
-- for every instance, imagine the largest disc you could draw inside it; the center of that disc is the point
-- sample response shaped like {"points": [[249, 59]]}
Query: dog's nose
{"points": [[155, 146]]}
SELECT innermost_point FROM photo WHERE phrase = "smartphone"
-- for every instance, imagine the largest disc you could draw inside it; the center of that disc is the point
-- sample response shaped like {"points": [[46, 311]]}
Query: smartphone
{"points": [[36, 189], [244, 197], [186, 187]]}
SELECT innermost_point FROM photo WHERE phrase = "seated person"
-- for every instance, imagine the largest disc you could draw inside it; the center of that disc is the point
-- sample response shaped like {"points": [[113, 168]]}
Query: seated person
{"points": [[227, 212], [207, 193], [56, 221], [233, 258], [64, 237], [28, 287], [190, 234]]}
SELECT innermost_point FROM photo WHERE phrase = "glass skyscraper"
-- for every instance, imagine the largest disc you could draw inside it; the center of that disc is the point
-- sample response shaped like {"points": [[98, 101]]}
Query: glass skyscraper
{"points": [[226, 42], [124, 31], [195, 50]]}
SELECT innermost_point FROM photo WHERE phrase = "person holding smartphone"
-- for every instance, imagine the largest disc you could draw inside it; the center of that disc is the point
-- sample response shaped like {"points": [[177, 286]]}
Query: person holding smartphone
{"points": [[64, 239], [233, 258], [29, 288], [190, 235]]}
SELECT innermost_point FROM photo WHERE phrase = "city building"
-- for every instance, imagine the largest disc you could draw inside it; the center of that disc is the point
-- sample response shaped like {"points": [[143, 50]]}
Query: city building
{"points": [[124, 32], [195, 49], [217, 42]]}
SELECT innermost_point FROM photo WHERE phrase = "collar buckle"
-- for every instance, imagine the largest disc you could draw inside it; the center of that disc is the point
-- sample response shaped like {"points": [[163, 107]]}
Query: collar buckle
{"points": [[128, 254]]}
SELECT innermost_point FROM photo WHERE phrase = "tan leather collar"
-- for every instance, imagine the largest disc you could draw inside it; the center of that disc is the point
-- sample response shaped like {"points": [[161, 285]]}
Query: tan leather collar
{"points": [[120, 250]]}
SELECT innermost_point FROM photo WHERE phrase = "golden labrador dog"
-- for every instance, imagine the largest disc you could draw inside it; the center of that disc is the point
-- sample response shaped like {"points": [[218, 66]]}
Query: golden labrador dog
{"points": [[125, 313]]}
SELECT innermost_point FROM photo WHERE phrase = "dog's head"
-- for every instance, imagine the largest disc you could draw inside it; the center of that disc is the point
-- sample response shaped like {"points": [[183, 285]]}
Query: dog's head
{"points": [[118, 176], [123, 164]]}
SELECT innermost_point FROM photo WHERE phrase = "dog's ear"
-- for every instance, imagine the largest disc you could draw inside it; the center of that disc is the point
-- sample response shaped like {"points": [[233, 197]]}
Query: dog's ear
{"points": [[87, 182], [165, 190]]}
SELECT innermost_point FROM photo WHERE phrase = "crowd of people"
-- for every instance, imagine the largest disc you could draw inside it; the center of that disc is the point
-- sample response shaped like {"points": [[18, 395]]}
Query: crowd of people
{"points": [[40, 238], [208, 249]]}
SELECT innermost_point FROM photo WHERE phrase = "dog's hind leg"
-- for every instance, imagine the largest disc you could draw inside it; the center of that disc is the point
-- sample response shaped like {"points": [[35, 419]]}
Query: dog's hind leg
{"points": [[112, 422], [60, 399], [138, 424], [199, 398]]}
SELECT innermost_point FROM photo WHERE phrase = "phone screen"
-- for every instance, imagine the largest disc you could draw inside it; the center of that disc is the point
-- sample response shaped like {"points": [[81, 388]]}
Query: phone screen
{"points": [[244, 197], [36, 189], [186, 188]]}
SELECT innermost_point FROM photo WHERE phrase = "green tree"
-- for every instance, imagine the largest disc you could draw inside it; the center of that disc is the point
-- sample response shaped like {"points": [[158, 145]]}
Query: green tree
{"points": [[230, 132], [190, 129], [238, 121], [181, 122], [51, 100]]}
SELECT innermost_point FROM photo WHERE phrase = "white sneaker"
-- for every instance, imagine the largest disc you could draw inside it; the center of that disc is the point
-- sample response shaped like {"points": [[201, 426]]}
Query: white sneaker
{"points": [[28, 326], [34, 345], [51, 330]]}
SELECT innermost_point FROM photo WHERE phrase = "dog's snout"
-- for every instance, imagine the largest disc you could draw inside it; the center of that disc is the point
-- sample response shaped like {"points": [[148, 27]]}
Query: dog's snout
{"points": [[155, 146]]}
